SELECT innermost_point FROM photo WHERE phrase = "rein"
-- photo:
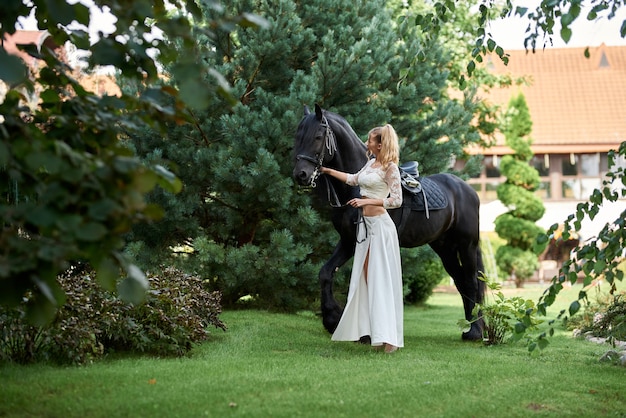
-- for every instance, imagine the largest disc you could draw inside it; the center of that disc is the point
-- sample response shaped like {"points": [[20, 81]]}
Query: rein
{"points": [[330, 147]]}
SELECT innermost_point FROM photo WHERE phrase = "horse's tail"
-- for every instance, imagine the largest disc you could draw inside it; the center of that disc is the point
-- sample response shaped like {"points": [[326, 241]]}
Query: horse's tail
{"points": [[480, 270]]}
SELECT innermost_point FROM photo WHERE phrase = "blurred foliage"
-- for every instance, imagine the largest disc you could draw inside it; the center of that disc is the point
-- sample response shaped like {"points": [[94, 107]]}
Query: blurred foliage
{"points": [[94, 322], [70, 189]]}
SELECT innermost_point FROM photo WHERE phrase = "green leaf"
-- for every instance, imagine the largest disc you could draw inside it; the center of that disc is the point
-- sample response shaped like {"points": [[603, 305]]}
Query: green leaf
{"points": [[464, 325], [69, 223], [521, 11], [145, 180], [253, 21], [462, 82], [599, 266], [125, 164], [470, 67], [574, 307], [102, 209], [49, 96], [60, 12], [566, 34], [107, 273], [40, 312], [153, 211], [12, 71], [168, 180], [108, 52], [567, 19], [91, 232], [133, 288], [81, 13], [543, 343], [42, 216]]}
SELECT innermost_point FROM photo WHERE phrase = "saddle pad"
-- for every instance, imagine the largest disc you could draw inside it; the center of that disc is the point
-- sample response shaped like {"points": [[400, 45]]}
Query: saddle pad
{"points": [[435, 197]]}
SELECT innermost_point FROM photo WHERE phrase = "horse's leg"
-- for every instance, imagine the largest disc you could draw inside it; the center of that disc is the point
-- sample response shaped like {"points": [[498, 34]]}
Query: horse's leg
{"points": [[331, 311], [462, 264]]}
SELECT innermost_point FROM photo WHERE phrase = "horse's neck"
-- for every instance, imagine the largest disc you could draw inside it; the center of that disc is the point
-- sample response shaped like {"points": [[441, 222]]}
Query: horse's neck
{"points": [[351, 155], [350, 158]]}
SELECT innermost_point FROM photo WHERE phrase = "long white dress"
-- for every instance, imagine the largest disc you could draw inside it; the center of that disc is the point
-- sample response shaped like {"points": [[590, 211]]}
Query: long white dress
{"points": [[375, 308]]}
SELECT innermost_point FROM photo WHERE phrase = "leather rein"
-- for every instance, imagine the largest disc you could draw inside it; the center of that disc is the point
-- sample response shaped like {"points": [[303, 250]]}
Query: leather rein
{"points": [[330, 147]]}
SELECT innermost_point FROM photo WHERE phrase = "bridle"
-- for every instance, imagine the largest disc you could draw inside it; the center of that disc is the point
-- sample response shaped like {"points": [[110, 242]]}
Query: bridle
{"points": [[329, 147]]}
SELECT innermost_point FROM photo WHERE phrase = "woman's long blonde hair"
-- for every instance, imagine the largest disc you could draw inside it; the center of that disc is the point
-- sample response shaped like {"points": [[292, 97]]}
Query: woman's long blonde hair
{"points": [[390, 147]]}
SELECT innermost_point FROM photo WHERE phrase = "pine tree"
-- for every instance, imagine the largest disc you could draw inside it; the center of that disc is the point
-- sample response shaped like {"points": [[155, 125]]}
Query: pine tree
{"points": [[518, 226], [252, 231]]}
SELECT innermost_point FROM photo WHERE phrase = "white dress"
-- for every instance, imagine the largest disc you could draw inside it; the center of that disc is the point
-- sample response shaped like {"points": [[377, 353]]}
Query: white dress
{"points": [[375, 308]]}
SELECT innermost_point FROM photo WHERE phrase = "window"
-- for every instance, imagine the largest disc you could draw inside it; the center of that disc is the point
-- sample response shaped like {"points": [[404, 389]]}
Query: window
{"points": [[543, 191], [568, 166], [491, 169], [539, 163], [589, 164]]}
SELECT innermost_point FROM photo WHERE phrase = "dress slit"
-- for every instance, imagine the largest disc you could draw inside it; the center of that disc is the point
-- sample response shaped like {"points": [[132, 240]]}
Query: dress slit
{"points": [[368, 311]]}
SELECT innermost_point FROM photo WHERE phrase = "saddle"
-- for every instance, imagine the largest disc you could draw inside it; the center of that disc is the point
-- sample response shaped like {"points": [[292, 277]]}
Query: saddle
{"points": [[420, 193]]}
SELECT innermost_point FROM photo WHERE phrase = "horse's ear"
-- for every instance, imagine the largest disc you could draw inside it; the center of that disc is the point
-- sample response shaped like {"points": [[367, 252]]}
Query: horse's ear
{"points": [[318, 112], [306, 110]]}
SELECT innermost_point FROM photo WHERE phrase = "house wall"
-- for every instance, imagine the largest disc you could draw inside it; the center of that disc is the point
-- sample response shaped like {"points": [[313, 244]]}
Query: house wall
{"points": [[572, 176]]}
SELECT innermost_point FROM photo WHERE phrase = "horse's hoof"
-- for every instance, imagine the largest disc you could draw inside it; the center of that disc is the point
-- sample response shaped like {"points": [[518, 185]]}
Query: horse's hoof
{"points": [[365, 340], [331, 317], [472, 336], [475, 333]]}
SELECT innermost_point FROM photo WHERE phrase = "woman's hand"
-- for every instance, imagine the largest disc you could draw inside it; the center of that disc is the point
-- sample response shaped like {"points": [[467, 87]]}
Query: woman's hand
{"points": [[356, 202]]}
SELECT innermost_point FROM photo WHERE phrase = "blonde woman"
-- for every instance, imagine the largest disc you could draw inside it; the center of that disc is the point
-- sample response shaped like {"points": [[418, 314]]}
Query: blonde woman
{"points": [[375, 302]]}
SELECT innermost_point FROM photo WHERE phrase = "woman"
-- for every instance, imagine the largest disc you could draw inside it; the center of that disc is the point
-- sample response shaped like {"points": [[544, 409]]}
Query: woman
{"points": [[375, 300]]}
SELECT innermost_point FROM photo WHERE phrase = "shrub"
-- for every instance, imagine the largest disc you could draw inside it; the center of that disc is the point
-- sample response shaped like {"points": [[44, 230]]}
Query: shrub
{"points": [[176, 314], [606, 318], [505, 319], [422, 271]]}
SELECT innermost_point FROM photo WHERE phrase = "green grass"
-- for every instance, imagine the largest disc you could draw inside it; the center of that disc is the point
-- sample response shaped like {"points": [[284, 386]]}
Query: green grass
{"points": [[274, 365]]}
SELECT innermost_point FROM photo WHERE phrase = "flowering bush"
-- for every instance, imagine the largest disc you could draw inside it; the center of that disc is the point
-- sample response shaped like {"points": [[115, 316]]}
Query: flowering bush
{"points": [[176, 314]]}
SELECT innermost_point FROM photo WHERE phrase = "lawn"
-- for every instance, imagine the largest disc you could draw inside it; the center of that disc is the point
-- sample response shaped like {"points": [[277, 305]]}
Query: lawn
{"points": [[277, 365]]}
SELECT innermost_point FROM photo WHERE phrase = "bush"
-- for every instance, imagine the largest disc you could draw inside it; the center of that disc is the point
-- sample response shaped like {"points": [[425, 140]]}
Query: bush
{"points": [[505, 319], [93, 321], [422, 271], [606, 318]]}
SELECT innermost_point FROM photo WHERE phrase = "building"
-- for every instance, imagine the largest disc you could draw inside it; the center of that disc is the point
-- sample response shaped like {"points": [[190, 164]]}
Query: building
{"points": [[578, 108], [39, 38], [97, 82]]}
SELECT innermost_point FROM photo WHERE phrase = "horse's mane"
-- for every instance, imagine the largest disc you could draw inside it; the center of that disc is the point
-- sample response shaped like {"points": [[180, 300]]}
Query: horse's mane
{"points": [[343, 129], [347, 139]]}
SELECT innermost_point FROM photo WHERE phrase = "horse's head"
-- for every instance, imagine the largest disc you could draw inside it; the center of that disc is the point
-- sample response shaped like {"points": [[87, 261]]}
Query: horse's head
{"points": [[315, 146]]}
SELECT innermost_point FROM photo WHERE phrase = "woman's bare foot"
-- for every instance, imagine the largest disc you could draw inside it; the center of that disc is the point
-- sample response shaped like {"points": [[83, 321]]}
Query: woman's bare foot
{"points": [[390, 348]]}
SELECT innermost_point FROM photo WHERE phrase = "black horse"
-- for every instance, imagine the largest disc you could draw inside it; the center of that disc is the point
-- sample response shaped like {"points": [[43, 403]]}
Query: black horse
{"points": [[326, 138]]}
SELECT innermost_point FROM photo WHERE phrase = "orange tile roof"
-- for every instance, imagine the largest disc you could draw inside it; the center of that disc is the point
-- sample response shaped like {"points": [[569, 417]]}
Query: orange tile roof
{"points": [[26, 37], [100, 84], [95, 83], [577, 104]]}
